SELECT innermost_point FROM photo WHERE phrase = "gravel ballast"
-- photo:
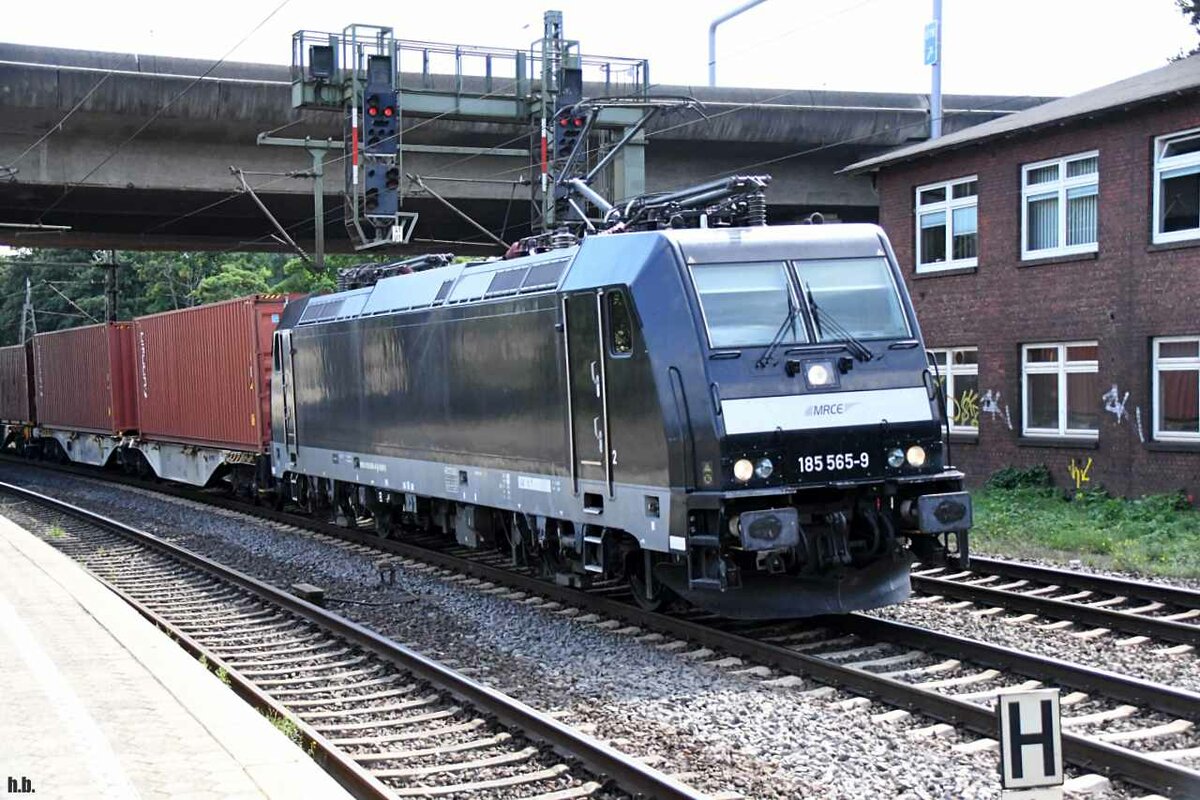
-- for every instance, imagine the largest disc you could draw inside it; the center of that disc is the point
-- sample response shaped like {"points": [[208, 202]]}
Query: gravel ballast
{"points": [[723, 731]]}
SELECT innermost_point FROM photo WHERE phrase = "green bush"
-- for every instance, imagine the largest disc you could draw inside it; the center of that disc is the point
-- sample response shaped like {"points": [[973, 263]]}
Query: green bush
{"points": [[1156, 535], [1036, 477]]}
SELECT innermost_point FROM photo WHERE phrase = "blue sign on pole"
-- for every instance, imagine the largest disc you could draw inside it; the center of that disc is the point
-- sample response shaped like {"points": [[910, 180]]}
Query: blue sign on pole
{"points": [[931, 44]]}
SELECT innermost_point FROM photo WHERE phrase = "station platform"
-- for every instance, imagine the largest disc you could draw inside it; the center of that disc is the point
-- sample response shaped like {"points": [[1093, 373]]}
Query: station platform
{"points": [[95, 702]]}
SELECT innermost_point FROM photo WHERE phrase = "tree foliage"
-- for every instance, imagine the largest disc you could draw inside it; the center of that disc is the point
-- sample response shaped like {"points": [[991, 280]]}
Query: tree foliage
{"points": [[68, 291], [1191, 10]]}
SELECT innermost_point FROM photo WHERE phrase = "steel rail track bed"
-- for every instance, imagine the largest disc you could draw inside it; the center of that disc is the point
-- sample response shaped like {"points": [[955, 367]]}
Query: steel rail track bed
{"points": [[1138, 608], [763, 643], [1109, 584], [336, 682]]}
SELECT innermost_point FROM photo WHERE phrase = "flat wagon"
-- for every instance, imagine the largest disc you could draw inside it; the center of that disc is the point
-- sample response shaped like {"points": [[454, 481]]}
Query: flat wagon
{"points": [[16, 384], [84, 390], [203, 378]]}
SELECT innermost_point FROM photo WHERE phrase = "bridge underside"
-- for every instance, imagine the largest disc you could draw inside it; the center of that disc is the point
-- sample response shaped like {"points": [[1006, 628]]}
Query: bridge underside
{"points": [[161, 219]]}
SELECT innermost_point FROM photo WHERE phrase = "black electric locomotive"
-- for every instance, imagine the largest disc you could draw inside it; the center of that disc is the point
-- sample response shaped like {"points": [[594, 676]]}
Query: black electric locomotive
{"points": [[741, 417]]}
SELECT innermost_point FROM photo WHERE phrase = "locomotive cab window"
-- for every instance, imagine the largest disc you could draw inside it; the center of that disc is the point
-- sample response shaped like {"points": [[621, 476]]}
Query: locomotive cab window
{"points": [[855, 295], [745, 304], [620, 325]]}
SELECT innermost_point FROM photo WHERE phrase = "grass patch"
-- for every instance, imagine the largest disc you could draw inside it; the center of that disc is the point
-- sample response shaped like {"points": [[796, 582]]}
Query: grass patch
{"points": [[286, 726], [1155, 535], [56, 532]]}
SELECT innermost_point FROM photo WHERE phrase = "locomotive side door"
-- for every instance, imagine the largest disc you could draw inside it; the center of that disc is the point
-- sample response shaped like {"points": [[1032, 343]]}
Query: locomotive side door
{"points": [[283, 351], [588, 391]]}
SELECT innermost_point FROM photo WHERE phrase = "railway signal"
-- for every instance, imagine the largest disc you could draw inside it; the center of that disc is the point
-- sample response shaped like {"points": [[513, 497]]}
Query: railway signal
{"points": [[567, 134], [381, 120], [356, 73]]}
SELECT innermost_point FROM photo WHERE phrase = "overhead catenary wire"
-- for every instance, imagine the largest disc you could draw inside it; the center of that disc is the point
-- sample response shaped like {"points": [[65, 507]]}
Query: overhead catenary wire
{"points": [[589, 151], [9, 168], [331, 162], [70, 187], [465, 159], [472, 238], [818, 148]]}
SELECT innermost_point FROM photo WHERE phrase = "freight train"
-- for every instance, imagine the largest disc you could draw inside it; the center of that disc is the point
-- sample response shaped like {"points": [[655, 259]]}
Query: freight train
{"points": [[743, 418]]}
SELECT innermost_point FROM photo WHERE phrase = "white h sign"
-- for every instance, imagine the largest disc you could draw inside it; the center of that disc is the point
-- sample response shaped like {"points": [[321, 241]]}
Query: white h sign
{"points": [[1030, 745]]}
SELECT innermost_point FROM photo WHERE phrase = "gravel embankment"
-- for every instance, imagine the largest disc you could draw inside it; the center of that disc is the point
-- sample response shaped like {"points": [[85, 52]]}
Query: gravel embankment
{"points": [[723, 730]]}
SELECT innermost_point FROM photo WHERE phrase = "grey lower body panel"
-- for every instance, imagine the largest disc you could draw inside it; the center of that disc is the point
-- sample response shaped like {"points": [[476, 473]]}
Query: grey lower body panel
{"points": [[626, 509]]}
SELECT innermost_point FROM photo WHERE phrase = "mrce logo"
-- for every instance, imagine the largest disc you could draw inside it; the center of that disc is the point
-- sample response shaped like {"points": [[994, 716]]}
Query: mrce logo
{"points": [[828, 409]]}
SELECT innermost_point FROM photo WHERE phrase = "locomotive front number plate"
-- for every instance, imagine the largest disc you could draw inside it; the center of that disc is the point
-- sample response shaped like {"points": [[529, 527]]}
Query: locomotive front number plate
{"points": [[834, 462]]}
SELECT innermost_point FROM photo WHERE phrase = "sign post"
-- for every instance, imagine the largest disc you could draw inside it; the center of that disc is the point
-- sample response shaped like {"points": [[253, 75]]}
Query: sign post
{"points": [[933, 58], [1031, 763], [931, 44]]}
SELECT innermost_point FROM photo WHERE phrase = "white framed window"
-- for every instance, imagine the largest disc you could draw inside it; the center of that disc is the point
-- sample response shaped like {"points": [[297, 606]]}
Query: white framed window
{"points": [[1060, 206], [1177, 187], [947, 225], [1177, 389], [958, 370], [1060, 389]]}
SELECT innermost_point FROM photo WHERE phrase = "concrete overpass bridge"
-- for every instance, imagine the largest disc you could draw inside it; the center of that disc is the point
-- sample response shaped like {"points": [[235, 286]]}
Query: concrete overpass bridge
{"points": [[170, 186]]}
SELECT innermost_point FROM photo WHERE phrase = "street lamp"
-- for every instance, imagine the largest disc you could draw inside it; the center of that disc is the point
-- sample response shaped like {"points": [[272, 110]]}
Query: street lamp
{"points": [[712, 36]]}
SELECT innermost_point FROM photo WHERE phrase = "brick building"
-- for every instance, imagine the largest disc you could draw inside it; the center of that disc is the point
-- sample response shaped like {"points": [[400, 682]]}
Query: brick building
{"points": [[1054, 260]]}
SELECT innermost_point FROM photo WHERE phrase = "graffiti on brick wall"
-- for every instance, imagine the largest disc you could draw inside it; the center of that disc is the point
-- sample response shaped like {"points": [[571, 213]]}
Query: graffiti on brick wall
{"points": [[1080, 473], [1141, 435], [1114, 403], [990, 404], [966, 409]]}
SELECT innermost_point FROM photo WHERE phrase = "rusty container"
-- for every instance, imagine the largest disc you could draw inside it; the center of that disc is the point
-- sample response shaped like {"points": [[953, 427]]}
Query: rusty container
{"points": [[204, 373], [16, 383], [83, 378]]}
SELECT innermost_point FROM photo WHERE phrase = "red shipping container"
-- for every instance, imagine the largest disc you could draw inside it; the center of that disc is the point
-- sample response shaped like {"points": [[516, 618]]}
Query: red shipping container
{"points": [[16, 384], [204, 373], [83, 378]]}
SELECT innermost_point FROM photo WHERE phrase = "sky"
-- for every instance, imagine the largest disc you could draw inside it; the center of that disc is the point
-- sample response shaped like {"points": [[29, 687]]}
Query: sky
{"points": [[1038, 47]]}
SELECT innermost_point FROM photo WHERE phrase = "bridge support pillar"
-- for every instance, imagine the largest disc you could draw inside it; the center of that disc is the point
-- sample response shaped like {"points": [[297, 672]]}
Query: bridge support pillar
{"points": [[629, 168]]}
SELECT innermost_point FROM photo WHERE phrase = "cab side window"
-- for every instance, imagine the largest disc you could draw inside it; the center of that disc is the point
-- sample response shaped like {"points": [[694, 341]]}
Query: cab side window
{"points": [[620, 324]]}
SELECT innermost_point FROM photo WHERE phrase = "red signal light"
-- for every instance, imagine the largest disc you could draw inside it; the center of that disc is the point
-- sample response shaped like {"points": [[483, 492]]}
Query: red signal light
{"points": [[579, 122], [388, 111], [372, 111], [563, 122]]}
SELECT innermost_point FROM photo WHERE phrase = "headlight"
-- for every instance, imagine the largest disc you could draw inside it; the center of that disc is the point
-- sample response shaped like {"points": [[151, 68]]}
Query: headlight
{"points": [[896, 458], [743, 469], [916, 456], [818, 374], [764, 468]]}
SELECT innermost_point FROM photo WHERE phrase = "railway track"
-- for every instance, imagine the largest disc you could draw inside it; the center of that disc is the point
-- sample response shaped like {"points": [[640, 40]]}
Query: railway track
{"points": [[1116, 725], [1132, 730], [383, 719], [1102, 604]]}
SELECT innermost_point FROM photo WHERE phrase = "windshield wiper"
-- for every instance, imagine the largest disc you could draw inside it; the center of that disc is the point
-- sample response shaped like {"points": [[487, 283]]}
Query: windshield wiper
{"points": [[853, 343], [765, 360]]}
